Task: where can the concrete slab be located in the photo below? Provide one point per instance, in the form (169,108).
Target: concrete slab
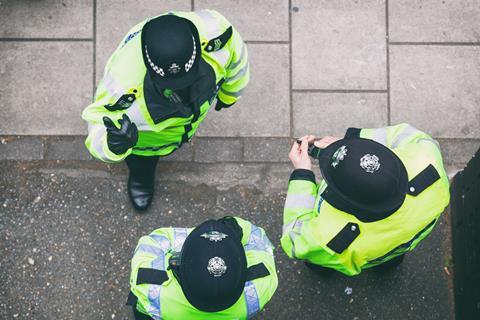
(45,87)
(46,19)
(266,149)
(458,151)
(254,20)
(263,109)
(21,148)
(218,150)
(55,220)
(115,18)
(436,89)
(323,114)
(338,44)
(434,20)
(67,148)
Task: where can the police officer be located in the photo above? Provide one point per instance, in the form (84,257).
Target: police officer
(158,86)
(383,192)
(222,269)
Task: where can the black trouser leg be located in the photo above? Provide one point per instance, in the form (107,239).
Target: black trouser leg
(141,180)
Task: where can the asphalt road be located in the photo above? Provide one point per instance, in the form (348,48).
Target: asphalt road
(67,233)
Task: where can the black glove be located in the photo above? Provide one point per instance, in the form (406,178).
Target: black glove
(120,140)
(221,105)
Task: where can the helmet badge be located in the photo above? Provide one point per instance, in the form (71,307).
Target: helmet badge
(216,266)
(339,155)
(174,68)
(214,236)
(370,163)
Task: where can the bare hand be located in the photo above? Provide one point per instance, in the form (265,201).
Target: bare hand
(299,154)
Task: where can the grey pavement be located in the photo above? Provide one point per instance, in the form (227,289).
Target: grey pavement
(317,66)
(68,234)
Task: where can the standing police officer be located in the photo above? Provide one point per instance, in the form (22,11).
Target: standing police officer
(158,86)
(222,269)
(383,191)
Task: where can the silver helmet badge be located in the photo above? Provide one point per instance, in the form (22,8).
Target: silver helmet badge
(214,236)
(216,266)
(370,163)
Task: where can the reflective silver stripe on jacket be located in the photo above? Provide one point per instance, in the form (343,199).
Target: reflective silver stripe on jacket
(380,135)
(258,241)
(235,64)
(407,132)
(97,131)
(251,299)
(154,308)
(179,236)
(236,94)
(213,30)
(239,74)
(306,201)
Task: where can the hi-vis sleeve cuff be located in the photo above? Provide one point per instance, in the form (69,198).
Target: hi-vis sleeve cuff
(303,174)
(97,145)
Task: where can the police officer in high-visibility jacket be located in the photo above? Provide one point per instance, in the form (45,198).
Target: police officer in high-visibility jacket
(383,192)
(158,86)
(222,269)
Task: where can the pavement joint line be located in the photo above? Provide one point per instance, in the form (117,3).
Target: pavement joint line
(387,62)
(290,68)
(94,28)
(46,39)
(411,43)
(192,5)
(266,42)
(339,91)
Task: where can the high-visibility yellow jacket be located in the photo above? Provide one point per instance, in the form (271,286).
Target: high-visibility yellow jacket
(310,222)
(167,301)
(125,72)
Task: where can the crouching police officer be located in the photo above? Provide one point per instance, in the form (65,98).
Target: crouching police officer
(222,269)
(383,191)
(158,86)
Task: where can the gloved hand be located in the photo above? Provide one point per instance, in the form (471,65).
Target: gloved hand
(221,105)
(120,140)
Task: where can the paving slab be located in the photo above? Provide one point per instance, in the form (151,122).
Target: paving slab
(21,148)
(44,87)
(67,148)
(434,20)
(254,20)
(266,149)
(324,114)
(437,89)
(264,108)
(68,234)
(46,19)
(218,150)
(115,18)
(338,44)
(458,151)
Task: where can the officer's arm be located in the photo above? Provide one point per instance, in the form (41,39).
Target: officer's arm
(259,249)
(299,207)
(96,141)
(149,253)
(237,70)
(394,136)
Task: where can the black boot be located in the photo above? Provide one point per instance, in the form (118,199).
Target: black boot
(141,180)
